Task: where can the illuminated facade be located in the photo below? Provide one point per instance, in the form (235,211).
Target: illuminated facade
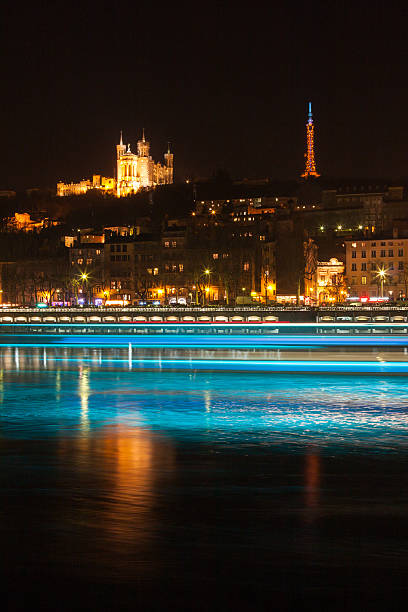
(327,283)
(137,170)
(310,169)
(103,183)
(133,171)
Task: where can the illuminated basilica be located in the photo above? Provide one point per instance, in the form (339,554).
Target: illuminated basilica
(133,171)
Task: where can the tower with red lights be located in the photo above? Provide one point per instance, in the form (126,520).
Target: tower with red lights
(310,169)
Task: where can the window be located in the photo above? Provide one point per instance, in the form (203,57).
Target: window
(174,267)
(118,248)
(354,254)
(363,280)
(88,261)
(363,254)
(167,244)
(400,265)
(173,244)
(382,254)
(80,261)
(391,265)
(383,244)
(364,267)
(390,253)
(149,271)
(373,266)
(261,237)
(246,266)
(374,254)
(353,280)
(181,267)
(98,251)
(400,253)
(373,244)
(215,255)
(112,248)
(155,271)
(353,267)
(124,248)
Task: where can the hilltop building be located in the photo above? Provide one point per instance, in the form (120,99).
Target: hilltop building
(136,170)
(133,171)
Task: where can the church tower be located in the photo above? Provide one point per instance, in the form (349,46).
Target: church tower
(143,147)
(169,159)
(310,169)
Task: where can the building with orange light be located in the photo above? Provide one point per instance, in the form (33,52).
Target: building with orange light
(137,170)
(133,172)
(327,284)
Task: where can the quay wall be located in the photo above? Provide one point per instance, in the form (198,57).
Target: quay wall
(203,315)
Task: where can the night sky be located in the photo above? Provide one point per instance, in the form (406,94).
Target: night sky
(227,86)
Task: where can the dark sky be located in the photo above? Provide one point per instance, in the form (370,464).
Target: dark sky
(227,86)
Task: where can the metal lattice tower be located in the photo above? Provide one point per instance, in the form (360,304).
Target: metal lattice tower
(310,169)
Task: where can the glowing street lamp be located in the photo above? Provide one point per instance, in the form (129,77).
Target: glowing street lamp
(381,274)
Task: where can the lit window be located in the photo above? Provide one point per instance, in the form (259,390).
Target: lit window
(215,255)
(181,267)
(155,271)
(167,244)
(363,280)
(173,244)
(246,266)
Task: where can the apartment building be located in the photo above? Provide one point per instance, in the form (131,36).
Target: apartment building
(377,268)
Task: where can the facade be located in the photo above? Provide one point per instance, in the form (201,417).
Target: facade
(133,172)
(99,182)
(327,283)
(377,268)
(137,170)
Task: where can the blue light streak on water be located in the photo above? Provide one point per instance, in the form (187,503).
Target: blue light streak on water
(59,397)
(205,341)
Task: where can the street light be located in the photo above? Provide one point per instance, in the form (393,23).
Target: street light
(207,272)
(381,274)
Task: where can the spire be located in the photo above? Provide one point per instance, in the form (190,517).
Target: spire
(121,138)
(168,147)
(143,136)
(310,113)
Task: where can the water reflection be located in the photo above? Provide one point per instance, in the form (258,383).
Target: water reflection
(312,485)
(152,480)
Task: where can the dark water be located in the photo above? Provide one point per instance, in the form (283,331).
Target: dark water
(130,489)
